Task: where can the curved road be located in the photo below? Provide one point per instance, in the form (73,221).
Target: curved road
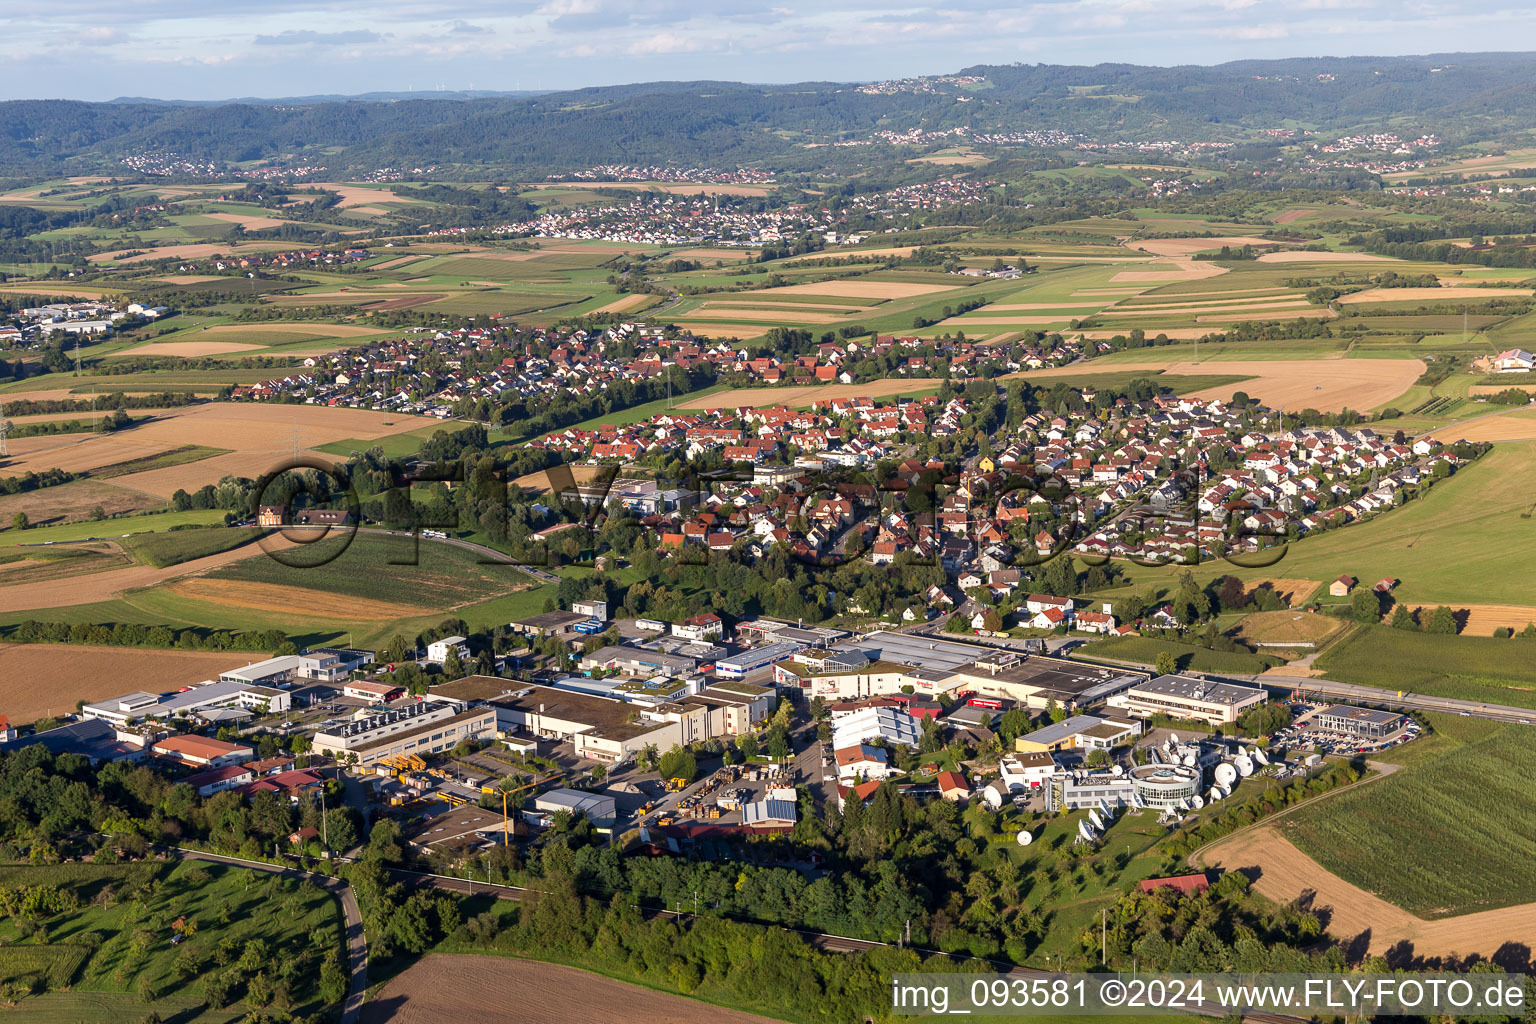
(357,942)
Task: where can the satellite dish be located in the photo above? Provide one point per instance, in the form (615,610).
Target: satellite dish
(1258,755)
(1225,774)
(1025,838)
(1094,820)
(1214,794)
(1244,765)
(1183,805)
(1196,801)
(1189,760)
(1117,771)
(1173,739)
(1084,832)
(1226,791)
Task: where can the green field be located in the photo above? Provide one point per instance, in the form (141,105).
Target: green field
(1472,667)
(177,546)
(1451,834)
(111,528)
(117,944)
(1190,657)
(374,567)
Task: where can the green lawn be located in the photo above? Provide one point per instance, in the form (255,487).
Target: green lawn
(1453,833)
(119,939)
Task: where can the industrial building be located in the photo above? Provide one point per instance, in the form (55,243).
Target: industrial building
(599,728)
(738,665)
(1026,771)
(1366,723)
(204,700)
(601,810)
(1088,732)
(419,728)
(1166,786)
(1077,790)
(1188,697)
(1037,680)
(892,726)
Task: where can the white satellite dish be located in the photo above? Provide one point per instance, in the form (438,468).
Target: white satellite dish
(1244,765)
(1225,774)
(1025,838)
(1196,801)
(1258,755)
(1084,832)
(1173,739)
(1189,760)
(1214,794)
(1117,771)
(1226,791)
(1094,820)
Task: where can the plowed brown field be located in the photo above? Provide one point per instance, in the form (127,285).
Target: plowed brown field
(441,988)
(47,679)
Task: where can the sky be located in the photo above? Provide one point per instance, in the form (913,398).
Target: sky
(194,49)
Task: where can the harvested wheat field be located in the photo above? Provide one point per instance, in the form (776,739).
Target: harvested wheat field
(1291,216)
(1430,295)
(397,262)
(1026,318)
(59,291)
(189,348)
(295,327)
(1285,306)
(890,250)
(703,329)
(104,586)
(359,195)
(1483,619)
(1170,271)
(625,304)
(801,396)
(1302,256)
(189,250)
(441,987)
(275,597)
(538,482)
(802,316)
(1327,385)
(48,679)
(864,289)
(1504,426)
(257,437)
(1291,591)
(190,278)
(1176,333)
(1285,874)
(1474,390)
(1190,246)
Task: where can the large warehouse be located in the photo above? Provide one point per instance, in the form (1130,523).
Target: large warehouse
(1188,697)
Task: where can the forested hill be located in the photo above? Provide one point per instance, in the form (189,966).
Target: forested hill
(1461,97)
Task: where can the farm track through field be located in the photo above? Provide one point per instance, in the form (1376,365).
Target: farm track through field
(113,583)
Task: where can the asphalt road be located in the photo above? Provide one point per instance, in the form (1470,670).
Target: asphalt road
(357,942)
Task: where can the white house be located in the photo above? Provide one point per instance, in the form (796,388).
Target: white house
(437,650)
